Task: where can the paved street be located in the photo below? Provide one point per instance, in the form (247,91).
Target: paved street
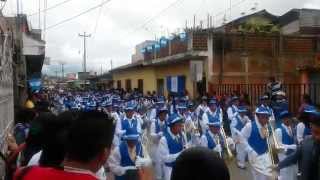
(238,174)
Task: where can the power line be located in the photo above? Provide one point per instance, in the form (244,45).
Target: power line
(97,21)
(155,16)
(52,7)
(80,14)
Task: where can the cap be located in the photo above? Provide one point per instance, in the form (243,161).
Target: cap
(262,110)
(174,118)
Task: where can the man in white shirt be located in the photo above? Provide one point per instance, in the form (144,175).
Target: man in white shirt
(126,159)
(157,131)
(238,123)
(285,138)
(202,108)
(171,144)
(255,135)
(212,138)
(232,109)
(128,122)
(214,111)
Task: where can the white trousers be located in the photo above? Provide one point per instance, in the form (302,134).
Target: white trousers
(258,176)
(167,172)
(241,153)
(156,159)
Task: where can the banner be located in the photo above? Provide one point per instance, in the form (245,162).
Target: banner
(196,70)
(176,84)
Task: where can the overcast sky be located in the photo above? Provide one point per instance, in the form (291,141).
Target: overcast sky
(119,25)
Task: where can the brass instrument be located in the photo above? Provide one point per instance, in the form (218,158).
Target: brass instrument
(217,139)
(273,148)
(229,152)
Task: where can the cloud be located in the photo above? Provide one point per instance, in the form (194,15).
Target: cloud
(121,24)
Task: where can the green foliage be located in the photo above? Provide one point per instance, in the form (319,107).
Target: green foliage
(258,25)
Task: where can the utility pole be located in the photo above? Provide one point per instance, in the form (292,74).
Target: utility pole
(62,71)
(39,14)
(84,36)
(111,65)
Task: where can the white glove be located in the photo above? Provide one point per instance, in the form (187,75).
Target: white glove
(218,148)
(139,162)
(230,143)
(123,170)
(175,156)
(142,162)
(160,134)
(252,155)
(122,132)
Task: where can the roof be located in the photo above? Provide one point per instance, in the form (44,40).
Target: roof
(128,66)
(177,58)
(243,19)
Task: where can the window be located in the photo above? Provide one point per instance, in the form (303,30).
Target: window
(119,84)
(140,85)
(128,85)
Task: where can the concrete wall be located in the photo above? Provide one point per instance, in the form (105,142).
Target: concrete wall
(151,74)
(146,73)
(176,70)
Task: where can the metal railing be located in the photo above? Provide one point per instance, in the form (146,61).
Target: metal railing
(294,92)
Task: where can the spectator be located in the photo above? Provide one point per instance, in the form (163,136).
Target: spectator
(22,124)
(306,100)
(199,164)
(87,149)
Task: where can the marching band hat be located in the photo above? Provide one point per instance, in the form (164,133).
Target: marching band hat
(174,118)
(163,109)
(242,109)
(262,111)
(285,114)
(309,109)
(234,98)
(264,97)
(212,102)
(130,106)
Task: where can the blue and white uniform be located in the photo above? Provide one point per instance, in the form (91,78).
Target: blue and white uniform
(124,157)
(210,139)
(157,131)
(237,124)
(171,145)
(255,138)
(206,116)
(285,137)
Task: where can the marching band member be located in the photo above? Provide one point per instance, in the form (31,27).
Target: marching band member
(264,102)
(255,136)
(212,138)
(158,129)
(303,127)
(279,104)
(129,122)
(126,159)
(237,124)
(232,110)
(212,111)
(307,153)
(202,108)
(171,144)
(285,138)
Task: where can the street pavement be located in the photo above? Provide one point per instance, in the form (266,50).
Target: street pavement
(239,174)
